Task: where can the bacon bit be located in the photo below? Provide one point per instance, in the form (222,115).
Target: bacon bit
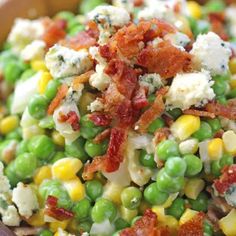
(70,118)
(53,211)
(102,136)
(199,113)
(140,99)
(227,178)
(193,227)
(106,52)
(100,119)
(168,120)
(166,60)
(82,79)
(61,94)
(153,112)
(232,102)
(222,110)
(92,30)
(138,3)
(219,134)
(161,134)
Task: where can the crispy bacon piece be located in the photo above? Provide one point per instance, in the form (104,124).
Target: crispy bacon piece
(100,119)
(61,94)
(138,3)
(56,212)
(102,136)
(199,113)
(168,120)
(161,134)
(193,227)
(146,226)
(140,99)
(222,110)
(93,30)
(227,178)
(219,133)
(166,59)
(153,112)
(106,52)
(82,79)
(70,118)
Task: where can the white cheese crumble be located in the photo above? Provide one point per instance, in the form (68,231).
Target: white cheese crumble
(25,199)
(211,53)
(94,52)
(230,13)
(230,195)
(190,89)
(96,105)
(178,39)
(126,4)
(64,62)
(4,182)
(10,216)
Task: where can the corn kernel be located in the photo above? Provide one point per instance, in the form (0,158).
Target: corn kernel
(232,65)
(194,9)
(75,189)
(29,132)
(227,223)
(58,139)
(187,215)
(36,219)
(185,126)
(193,187)
(169,200)
(38,65)
(43,82)
(54,226)
(232,82)
(43,173)
(171,222)
(128,214)
(66,168)
(8,124)
(160,212)
(215,149)
(229,139)
(189,146)
(112,192)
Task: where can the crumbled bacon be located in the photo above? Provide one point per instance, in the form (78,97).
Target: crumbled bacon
(70,118)
(140,99)
(100,119)
(161,134)
(193,227)
(138,3)
(82,79)
(168,120)
(92,30)
(102,136)
(199,113)
(166,59)
(106,52)
(227,178)
(219,133)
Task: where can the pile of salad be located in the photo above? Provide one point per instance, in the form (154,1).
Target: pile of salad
(120,121)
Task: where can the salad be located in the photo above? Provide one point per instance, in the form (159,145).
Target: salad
(120,121)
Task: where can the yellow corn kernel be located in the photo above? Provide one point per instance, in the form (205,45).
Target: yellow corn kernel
(193,187)
(185,126)
(29,132)
(8,124)
(187,215)
(215,149)
(66,168)
(43,82)
(229,139)
(189,146)
(43,173)
(171,222)
(38,65)
(194,9)
(75,189)
(227,223)
(36,219)
(58,139)
(128,214)
(160,212)
(54,226)
(232,82)
(232,65)
(169,200)
(112,192)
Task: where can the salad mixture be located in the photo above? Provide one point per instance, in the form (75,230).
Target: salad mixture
(120,121)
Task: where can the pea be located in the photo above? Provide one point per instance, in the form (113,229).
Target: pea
(57,156)
(7,56)
(12,71)
(226,160)
(175,113)
(45,232)
(94,189)
(76,29)
(42,147)
(88,5)
(205,132)
(147,160)
(37,106)
(82,209)
(175,166)
(25,165)
(220,87)
(120,223)
(102,210)
(215,124)
(194,165)
(22,147)
(225,77)
(168,184)
(166,149)
(151,98)
(156,124)
(221,99)
(47,123)
(15,135)
(76,149)
(177,208)
(215,168)
(131,197)
(84,226)
(154,196)
(232,94)
(27,74)
(94,149)
(11,174)
(51,89)
(201,203)
(207,228)
(65,15)
(215,6)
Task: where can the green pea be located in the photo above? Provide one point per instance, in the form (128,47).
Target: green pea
(12,71)
(76,29)
(156,124)
(177,208)
(215,6)
(201,203)
(76,149)
(47,123)
(221,99)
(57,156)
(84,226)
(25,165)
(45,232)
(82,209)
(175,113)
(220,87)
(120,223)
(175,166)
(168,184)
(207,228)
(232,94)
(226,160)
(11,174)
(27,74)
(42,147)
(225,77)
(94,149)
(88,5)
(102,210)
(65,15)
(51,89)
(194,165)
(37,106)
(193,23)
(154,196)
(215,124)
(94,189)
(216,168)
(151,98)
(15,135)
(204,132)
(9,102)
(166,149)
(5,57)
(147,160)
(22,147)
(131,197)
